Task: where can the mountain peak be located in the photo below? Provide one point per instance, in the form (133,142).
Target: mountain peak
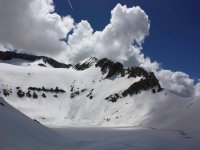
(86,63)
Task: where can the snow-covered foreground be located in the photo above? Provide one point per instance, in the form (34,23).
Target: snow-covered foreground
(130,138)
(18,132)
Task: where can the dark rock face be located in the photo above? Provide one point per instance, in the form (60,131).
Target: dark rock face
(34,92)
(83,90)
(51,90)
(35,96)
(8,55)
(28,94)
(86,65)
(134,72)
(6,92)
(113,98)
(43,95)
(148,83)
(36,121)
(82,66)
(57,90)
(90,95)
(74,94)
(42,65)
(112,68)
(20,93)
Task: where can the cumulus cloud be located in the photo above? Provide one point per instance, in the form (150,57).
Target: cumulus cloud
(197,89)
(33,26)
(177,82)
(120,40)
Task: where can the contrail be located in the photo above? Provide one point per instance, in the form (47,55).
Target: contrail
(70,4)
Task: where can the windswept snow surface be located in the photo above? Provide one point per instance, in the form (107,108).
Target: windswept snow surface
(18,132)
(163,110)
(130,138)
(63,110)
(143,122)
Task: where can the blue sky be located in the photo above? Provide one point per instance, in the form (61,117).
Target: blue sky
(174,39)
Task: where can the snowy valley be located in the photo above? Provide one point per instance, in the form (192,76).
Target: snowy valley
(93,96)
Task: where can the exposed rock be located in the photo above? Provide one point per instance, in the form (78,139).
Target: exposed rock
(83,90)
(72,88)
(56,90)
(36,121)
(86,64)
(143,85)
(20,93)
(149,82)
(8,55)
(73,94)
(108,119)
(28,94)
(42,65)
(112,68)
(136,72)
(35,96)
(43,95)
(90,95)
(6,92)
(112,98)
(81,66)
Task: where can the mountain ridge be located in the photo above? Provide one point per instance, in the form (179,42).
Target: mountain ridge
(108,67)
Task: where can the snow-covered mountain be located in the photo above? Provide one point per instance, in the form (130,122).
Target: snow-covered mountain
(92,92)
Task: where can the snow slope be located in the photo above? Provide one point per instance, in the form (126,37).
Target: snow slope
(87,95)
(84,100)
(18,132)
(63,110)
(130,138)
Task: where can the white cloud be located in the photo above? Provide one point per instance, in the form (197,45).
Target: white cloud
(197,89)
(177,82)
(120,40)
(33,26)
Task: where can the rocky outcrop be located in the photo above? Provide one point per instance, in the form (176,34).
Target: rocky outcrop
(112,68)
(109,69)
(147,83)
(86,63)
(8,55)
(20,93)
(51,90)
